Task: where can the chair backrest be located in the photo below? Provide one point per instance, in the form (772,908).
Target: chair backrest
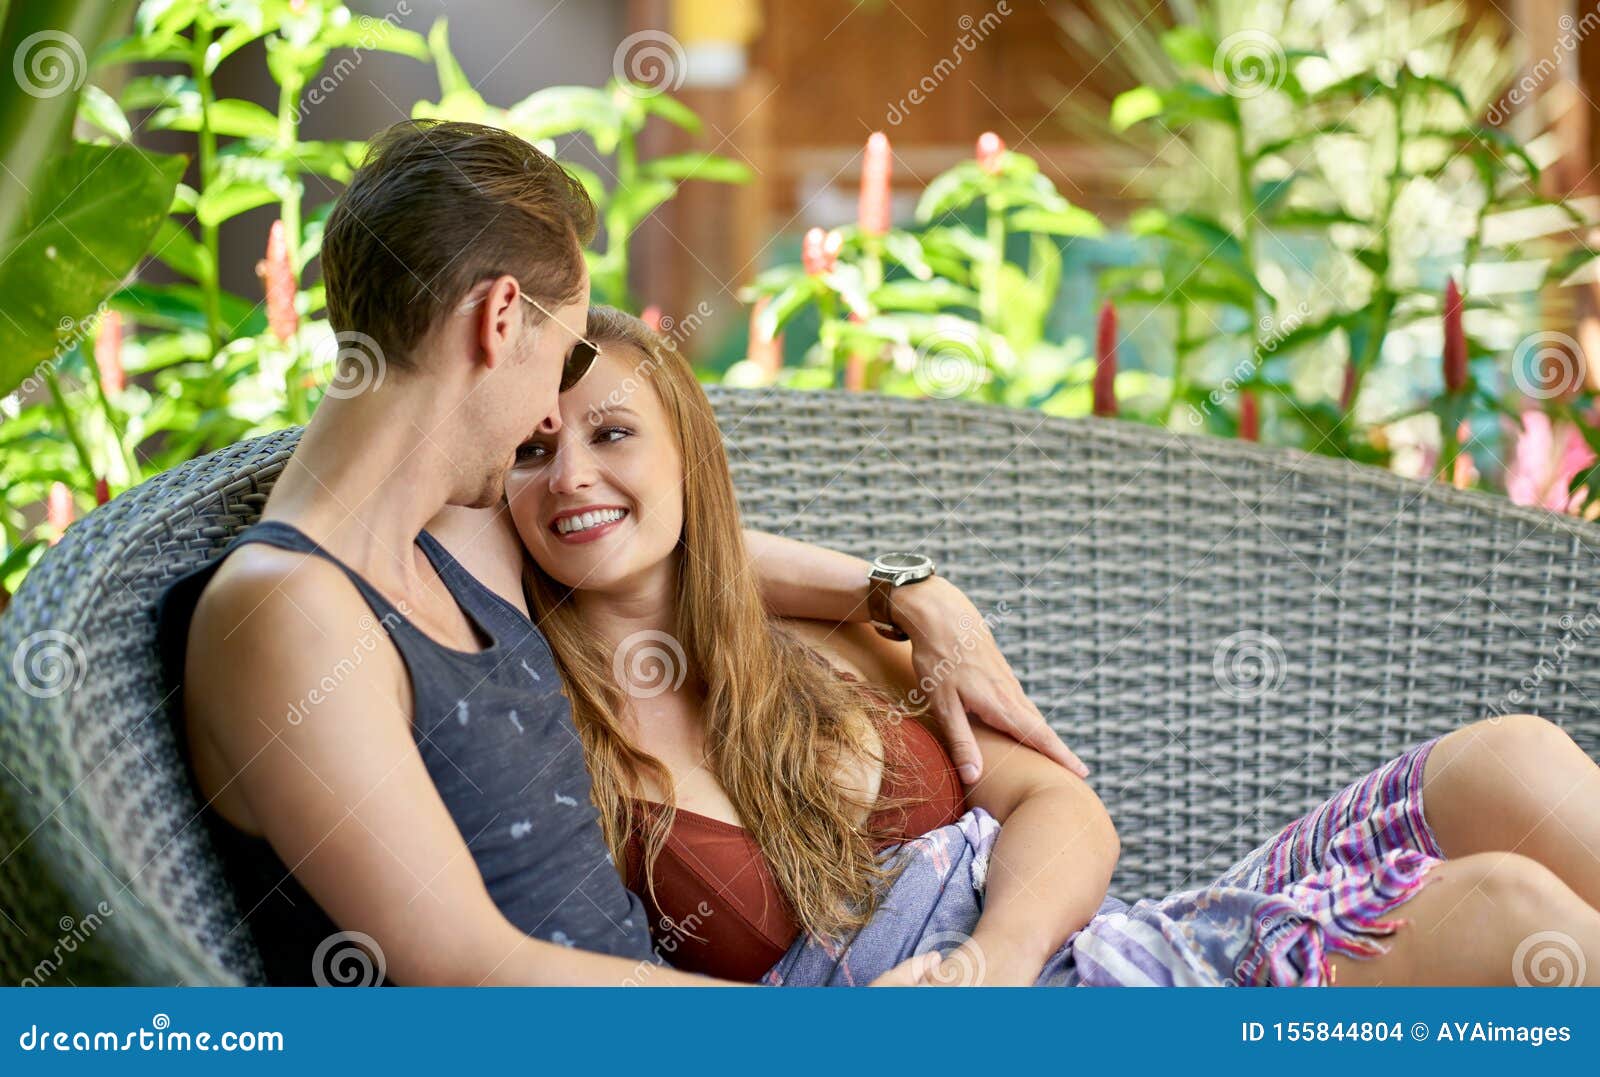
(1227,633)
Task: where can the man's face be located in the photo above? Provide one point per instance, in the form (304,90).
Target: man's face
(521,397)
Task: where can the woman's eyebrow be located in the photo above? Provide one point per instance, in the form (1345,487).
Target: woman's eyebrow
(614,409)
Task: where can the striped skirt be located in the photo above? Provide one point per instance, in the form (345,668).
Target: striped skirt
(1325,883)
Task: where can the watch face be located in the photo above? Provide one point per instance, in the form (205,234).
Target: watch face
(899,561)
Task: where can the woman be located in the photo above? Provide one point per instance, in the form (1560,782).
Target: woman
(749,782)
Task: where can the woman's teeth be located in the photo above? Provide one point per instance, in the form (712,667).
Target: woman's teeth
(568,524)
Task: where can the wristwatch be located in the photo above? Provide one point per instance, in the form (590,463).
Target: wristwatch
(888,572)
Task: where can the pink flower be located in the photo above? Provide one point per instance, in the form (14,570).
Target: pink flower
(819,251)
(277,279)
(991,152)
(1105,363)
(876,168)
(1455,340)
(767,354)
(60,510)
(1249,416)
(651,316)
(108,353)
(1464,473)
(1546,458)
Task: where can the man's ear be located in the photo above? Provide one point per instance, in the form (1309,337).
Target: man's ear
(501,320)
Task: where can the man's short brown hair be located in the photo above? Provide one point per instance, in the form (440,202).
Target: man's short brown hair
(438,206)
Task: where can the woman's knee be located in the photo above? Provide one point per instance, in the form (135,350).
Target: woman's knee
(1514,890)
(1510,746)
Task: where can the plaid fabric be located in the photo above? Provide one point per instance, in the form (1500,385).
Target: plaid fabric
(1333,873)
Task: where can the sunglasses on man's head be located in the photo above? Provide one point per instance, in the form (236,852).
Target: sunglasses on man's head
(579,359)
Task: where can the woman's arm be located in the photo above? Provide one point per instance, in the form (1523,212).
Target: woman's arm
(953,653)
(1052,863)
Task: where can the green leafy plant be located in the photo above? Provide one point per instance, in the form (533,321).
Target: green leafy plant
(613,118)
(122,378)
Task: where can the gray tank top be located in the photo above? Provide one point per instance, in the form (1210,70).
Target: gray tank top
(499,742)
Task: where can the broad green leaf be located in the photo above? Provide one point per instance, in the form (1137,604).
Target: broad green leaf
(1189,46)
(451,78)
(697,166)
(182,306)
(229,116)
(785,305)
(1072,221)
(159,91)
(177,249)
(139,48)
(1135,106)
(903,248)
(952,189)
(86,226)
(222,201)
(367,33)
(930,297)
(672,110)
(565,110)
(97,107)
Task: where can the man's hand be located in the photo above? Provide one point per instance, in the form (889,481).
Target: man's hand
(960,671)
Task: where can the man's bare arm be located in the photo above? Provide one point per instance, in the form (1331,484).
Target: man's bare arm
(341,791)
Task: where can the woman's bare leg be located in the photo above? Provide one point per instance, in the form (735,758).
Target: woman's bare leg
(1485,919)
(1518,784)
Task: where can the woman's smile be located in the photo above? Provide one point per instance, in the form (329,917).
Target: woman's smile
(588,523)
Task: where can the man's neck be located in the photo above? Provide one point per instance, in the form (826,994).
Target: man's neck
(368,474)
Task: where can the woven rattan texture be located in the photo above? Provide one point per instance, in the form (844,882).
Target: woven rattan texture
(1226,633)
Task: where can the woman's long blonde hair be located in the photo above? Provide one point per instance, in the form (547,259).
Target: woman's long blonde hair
(779,725)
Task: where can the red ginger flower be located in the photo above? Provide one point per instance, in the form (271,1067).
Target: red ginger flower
(277,278)
(1455,340)
(102,491)
(1249,416)
(1105,363)
(991,152)
(108,353)
(876,168)
(819,251)
(60,510)
(651,316)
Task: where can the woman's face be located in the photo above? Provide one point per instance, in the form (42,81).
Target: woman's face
(599,503)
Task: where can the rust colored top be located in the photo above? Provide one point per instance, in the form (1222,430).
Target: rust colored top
(718,910)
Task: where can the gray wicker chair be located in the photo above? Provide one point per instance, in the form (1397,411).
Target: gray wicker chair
(1227,633)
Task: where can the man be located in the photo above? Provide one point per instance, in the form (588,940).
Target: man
(417,780)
